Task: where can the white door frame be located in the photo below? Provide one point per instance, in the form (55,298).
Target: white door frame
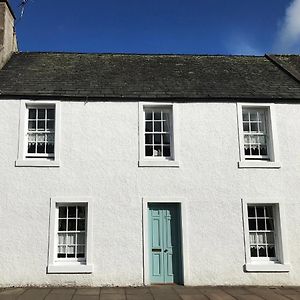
(184,236)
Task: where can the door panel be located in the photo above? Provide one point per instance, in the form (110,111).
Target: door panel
(165,242)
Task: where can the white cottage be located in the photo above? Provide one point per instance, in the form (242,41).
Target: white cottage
(141,169)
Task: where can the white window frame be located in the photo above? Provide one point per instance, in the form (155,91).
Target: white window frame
(272,143)
(161,161)
(24,161)
(59,265)
(254,264)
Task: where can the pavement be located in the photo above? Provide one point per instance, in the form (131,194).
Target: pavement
(172,292)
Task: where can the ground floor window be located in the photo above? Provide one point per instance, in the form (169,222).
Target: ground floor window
(70,235)
(265,245)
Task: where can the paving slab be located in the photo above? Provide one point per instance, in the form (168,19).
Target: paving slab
(215,293)
(11,293)
(63,291)
(88,291)
(85,297)
(139,297)
(293,297)
(34,294)
(113,290)
(137,291)
(111,296)
(266,293)
(193,297)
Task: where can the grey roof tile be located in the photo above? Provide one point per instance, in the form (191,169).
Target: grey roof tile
(124,76)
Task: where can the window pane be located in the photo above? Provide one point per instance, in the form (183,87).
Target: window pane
(157,116)
(32,113)
(62,212)
(41,113)
(247,150)
(50,148)
(149,151)
(51,113)
(61,252)
(166,151)
(71,238)
(157,151)
(252,224)
(41,125)
(253,251)
(157,139)
(260,211)
(262,251)
(148,115)
(40,137)
(166,126)
(270,225)
(245,116)
(251,211)
(253,116)
(71,251)
(261,238)
(62,239)
(166,139)
(149,127)
(271,251)
(72,224)
(148,138)
(62,225)
(41,148)
(261,224)
(246,127)
(263,150)
(50,125)
(81,238)
(270,237)
(269,211)
(81,211)
(81,224)
(31,147)
(80,251)
(254,150)
(157,126)
(252,238)
(31,125)
(254,127)
(72,211)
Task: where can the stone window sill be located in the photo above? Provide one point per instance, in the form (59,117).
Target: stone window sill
(69,269)
(271,267)
(37,163)
(259,164)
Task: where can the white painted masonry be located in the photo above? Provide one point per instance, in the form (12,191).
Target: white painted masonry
(99,154)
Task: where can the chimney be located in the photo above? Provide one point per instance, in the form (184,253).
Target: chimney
(8,40)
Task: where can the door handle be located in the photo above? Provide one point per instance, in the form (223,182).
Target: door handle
(166,250)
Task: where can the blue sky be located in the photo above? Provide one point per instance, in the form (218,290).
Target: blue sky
(178,26)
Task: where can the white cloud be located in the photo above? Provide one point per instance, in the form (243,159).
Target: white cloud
(238,45)
(288,39)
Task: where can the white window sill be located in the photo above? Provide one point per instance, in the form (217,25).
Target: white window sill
(259,164)
(61,269)
(159,163)
(37,163)
(265,267)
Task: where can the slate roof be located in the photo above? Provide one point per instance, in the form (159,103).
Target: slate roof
(128,76)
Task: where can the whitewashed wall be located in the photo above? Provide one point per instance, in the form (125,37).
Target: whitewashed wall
(99,158)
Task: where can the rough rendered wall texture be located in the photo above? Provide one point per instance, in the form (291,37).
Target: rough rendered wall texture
(99,158)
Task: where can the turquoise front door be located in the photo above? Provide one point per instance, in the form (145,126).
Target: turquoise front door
(165,243)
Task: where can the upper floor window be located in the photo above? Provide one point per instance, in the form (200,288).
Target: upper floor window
(158,132)
(39,134)
(157,135)
(257,135)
